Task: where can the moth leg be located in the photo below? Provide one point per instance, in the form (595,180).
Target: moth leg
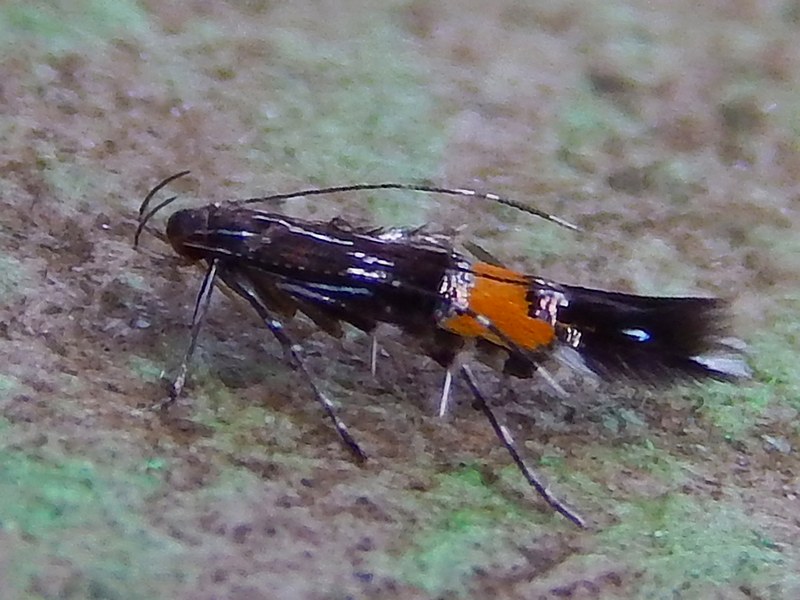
(444,400)
(241,285)
(200,309)
(502,431)
(373,353)
(508,441)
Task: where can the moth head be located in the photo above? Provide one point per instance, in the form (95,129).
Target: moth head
(184,225)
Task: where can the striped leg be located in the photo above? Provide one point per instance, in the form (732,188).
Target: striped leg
(200,309)
(508,441)
(502,431)
(241,285)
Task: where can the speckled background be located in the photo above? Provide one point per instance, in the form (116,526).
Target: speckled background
(670,131)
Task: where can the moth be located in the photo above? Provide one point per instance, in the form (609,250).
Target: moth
(336,273)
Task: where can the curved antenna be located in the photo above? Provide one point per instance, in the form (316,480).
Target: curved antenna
(145,216)
(359,187)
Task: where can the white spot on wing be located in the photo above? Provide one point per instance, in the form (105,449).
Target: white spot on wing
(302,230)
(638,335)
(238,233)
(374,275)
(733,366)
(374,260)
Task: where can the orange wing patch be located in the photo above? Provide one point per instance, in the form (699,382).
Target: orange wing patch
(500,295)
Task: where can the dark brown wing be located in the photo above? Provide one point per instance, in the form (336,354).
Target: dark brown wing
(271,291)
(645,337)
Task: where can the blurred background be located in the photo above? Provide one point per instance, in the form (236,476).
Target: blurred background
(669,131)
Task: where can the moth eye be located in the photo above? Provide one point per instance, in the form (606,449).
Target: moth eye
(184,223)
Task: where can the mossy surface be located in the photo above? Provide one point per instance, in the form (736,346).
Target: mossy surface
(669,133)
